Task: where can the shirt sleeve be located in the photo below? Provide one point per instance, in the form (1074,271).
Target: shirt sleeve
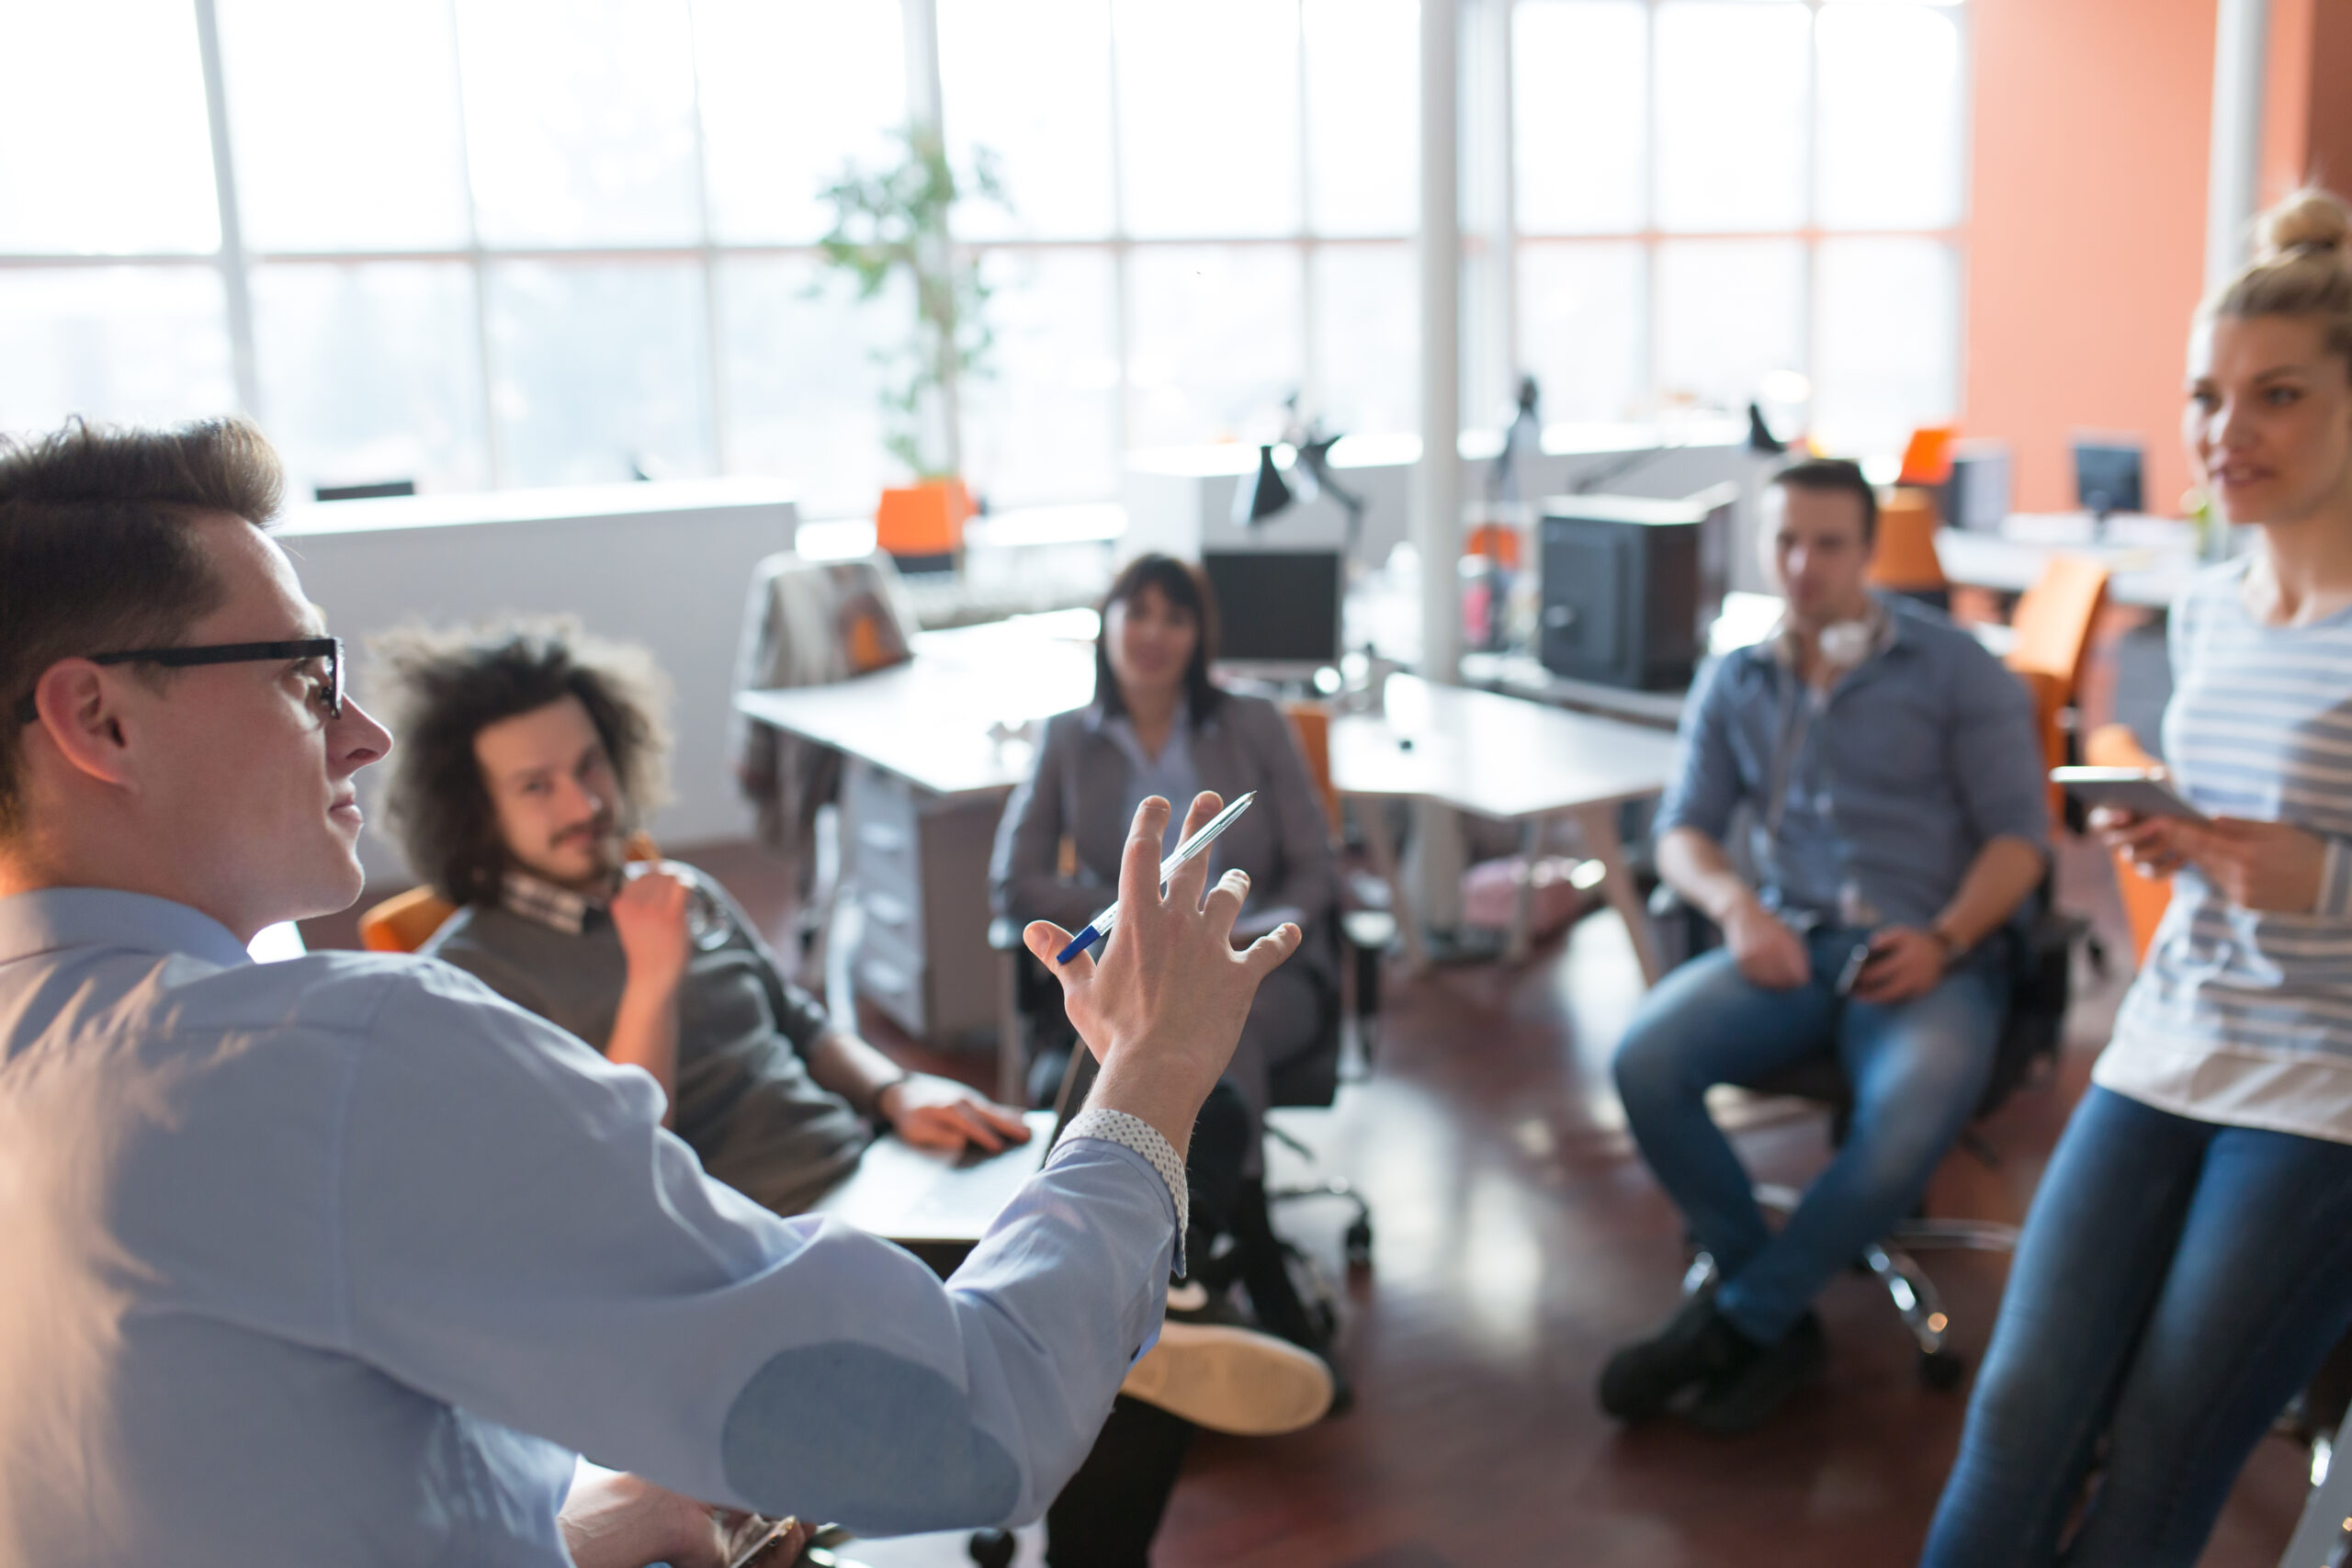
(523,1240)
(1705,788)
(1994,751)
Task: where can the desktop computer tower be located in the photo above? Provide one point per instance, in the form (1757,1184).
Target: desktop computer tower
(1628,587)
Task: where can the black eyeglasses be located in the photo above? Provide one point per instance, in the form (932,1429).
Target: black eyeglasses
(329,683)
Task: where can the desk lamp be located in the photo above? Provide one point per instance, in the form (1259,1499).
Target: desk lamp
(1259,500)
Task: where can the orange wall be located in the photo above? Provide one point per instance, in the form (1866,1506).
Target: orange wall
(2087,230)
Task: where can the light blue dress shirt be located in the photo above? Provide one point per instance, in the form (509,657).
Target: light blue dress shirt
(1918,758)
(340,1260)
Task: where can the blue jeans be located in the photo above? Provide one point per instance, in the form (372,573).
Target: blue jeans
(1917,1067)
(2177,1282)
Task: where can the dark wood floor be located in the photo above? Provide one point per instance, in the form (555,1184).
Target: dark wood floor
(1519,1241)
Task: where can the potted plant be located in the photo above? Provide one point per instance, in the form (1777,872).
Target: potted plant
(890,224)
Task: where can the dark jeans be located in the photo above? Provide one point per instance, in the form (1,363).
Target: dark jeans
(2177,1282)
(1917,1068)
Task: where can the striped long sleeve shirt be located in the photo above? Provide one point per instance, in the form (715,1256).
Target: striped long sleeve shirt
(2244,1016)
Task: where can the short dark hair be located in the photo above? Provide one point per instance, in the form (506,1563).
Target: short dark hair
(96,551)
(1835,476)
(1186,588)
(440,689)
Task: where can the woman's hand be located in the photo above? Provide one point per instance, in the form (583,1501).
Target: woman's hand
(2254,865)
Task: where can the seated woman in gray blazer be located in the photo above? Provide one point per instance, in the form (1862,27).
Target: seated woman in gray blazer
(1158,726)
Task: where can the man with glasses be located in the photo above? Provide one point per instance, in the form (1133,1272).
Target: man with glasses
(343,1259)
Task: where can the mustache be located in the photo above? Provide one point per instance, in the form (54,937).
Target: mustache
(600,826)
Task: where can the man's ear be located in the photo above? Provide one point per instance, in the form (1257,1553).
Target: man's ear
(80,717)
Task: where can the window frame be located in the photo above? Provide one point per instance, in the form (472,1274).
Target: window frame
(1492,243)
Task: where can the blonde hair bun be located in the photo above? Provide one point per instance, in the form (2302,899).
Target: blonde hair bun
(2309,221)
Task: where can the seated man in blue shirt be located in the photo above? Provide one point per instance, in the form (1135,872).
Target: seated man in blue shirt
(344,1260)
(1892,781)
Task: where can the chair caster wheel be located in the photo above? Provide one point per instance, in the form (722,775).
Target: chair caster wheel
(1941,1369)
(1359,1245)
(992,1549)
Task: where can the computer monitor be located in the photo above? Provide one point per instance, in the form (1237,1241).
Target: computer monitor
(2107,475)
(1975,493)
(1276,606)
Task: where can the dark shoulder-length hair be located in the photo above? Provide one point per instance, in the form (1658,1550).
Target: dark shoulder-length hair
(440,689)
(1185,587)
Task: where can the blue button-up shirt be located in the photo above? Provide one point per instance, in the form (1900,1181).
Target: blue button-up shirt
(1916,759)
(341,1259)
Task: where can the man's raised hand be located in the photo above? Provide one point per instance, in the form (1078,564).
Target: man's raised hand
(1164,1006)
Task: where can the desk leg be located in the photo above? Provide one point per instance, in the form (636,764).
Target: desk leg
(1372,814)
(1598,825)
(1522,899)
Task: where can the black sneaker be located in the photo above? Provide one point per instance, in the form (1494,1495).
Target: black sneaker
(1694,1346)
(1743,1397)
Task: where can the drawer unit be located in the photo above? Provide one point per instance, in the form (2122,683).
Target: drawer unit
(918,865)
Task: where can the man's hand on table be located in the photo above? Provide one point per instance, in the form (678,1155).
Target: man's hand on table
(613,1520)
(939,1113)
(1164,1008)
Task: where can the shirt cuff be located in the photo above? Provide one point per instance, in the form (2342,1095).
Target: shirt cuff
(1134,1133)
(2334,879)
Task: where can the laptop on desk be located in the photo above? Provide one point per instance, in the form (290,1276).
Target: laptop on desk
(923,1200)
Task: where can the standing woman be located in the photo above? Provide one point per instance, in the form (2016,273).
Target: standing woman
(1160,726)
(2187,1262)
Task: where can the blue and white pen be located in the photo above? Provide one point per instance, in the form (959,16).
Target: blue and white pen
(1099,926)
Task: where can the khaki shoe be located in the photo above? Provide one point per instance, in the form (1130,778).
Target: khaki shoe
(1231,1380)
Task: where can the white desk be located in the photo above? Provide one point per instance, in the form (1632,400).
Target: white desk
(933,747)
(2149,559)
(940,725)
(943,720)
(1511,760)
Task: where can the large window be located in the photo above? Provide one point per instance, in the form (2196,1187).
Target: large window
(1719,200)
(482,242)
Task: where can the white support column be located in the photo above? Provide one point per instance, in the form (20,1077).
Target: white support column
(236,286)
(1436,519)
(941,413)
(2241,64)
(1489,291)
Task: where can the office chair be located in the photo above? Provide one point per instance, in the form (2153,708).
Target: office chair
(2031,1033)
(1031,1006)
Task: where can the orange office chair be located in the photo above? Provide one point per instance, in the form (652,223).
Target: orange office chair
(2052,621)
(1311,722)
(1926,457)
(403,922)
(1904,561)
(2146,898)
(406,921)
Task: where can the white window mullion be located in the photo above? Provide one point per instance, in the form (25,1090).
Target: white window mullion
(235,282)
